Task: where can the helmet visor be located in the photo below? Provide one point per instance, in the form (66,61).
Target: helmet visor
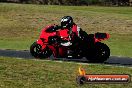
(64,24)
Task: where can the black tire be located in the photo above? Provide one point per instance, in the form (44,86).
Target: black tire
(101,53)
(35,50)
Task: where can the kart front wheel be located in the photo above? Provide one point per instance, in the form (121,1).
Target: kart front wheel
(35,50)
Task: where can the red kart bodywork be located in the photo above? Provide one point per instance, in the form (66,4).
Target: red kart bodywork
(43,40)
(107,36)
(61,51)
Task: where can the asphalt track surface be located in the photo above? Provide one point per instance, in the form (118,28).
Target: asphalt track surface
(25,54)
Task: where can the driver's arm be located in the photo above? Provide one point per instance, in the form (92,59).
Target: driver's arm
(57,27)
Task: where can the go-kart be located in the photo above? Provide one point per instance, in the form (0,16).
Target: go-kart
(55,41)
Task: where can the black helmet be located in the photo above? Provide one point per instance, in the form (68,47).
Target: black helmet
(66,22)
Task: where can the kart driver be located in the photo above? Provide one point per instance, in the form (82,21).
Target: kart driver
(67,23)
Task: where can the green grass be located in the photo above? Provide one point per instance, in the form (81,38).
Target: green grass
(20,24)
(120,45)
(20,73)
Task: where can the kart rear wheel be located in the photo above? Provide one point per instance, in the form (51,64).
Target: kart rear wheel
(102,53)
(35,50)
